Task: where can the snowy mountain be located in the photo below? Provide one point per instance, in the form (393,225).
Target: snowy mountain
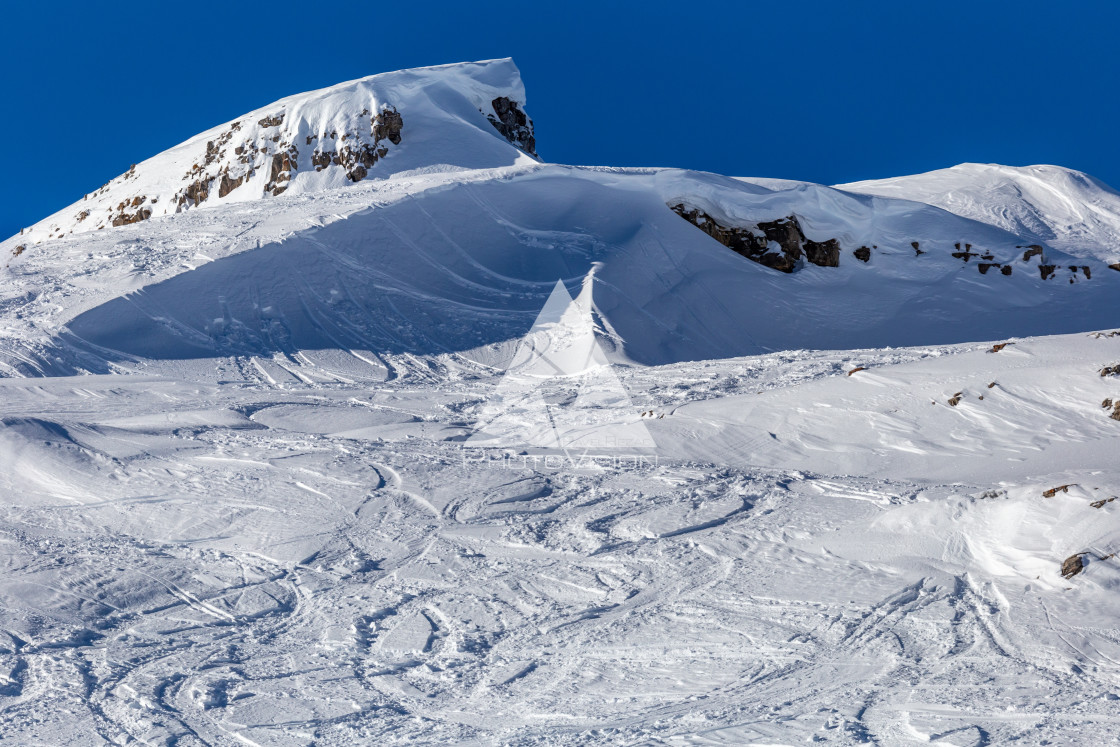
(351,421)
(403,214)
(1061,207)
(320,140)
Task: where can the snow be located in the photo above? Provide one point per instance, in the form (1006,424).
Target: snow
(1067,209)
(252,493)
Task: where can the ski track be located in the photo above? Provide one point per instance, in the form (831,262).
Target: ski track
(203,572)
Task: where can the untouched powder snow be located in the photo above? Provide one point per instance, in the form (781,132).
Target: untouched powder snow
(1064,208)
(471,448)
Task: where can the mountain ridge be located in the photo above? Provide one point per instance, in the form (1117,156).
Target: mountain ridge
(1068,209)
(454,237)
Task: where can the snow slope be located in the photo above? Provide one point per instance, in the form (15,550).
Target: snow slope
(314,141)
(247,558)
(461,262)
(452,238)
(262,479)
(1066,209)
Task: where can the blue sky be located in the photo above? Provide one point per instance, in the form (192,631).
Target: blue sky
(827,92)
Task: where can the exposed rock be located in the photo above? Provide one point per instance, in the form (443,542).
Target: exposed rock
(272,121)
(786,233)
(19,250)
(283,164)
(985,266)
(857,368)
(195,193)
(1111,370)
(741,240)
(998,347)
(955,399)
(82,216)
(1115,266)
(1033,250)
(322,159)
(1107,403)
(966,254)
(124,219)
(863,254)
(1006,269)
(917,252)
(1054,491)
(514,125)
(1047,271)
(227,185)
(1102,502)
(387,126)
(1072,566)
(821,253)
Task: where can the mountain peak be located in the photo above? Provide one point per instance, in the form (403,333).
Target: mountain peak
(465,115)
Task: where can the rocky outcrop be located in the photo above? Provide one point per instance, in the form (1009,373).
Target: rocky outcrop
(1033,250)
(1072,566)
(967,253)
(124,217)
(784,233)
(1047,271)
(863,254)
(822,253)
(1111,370)
(513,123)
(360,155)
(1115,267)
(387,126)
(223,169)
(283,166)
(227,185)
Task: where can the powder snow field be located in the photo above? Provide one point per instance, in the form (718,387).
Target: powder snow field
(244,500)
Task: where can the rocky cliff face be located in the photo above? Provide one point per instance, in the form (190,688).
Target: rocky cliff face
(513,123)
(779,244)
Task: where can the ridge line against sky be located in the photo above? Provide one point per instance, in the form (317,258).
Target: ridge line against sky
(821,92)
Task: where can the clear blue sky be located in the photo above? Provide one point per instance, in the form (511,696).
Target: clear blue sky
(827,92)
